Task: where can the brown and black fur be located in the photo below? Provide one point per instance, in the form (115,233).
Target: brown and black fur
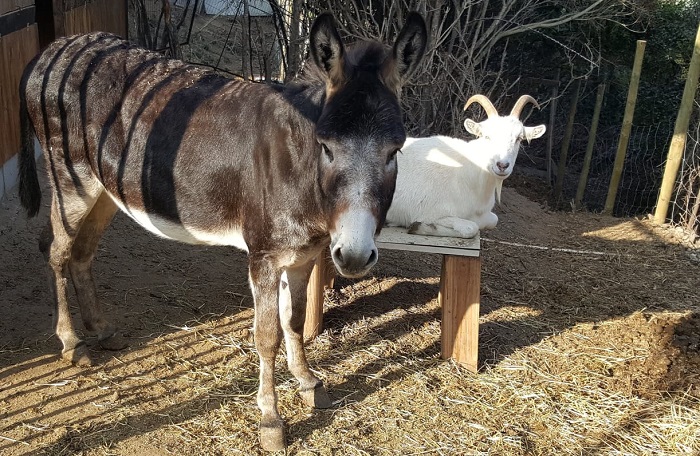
(213,160)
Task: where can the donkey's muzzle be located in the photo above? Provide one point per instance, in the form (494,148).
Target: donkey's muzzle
(352,243)
(352,263)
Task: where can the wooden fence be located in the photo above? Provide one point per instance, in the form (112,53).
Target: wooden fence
(25,27)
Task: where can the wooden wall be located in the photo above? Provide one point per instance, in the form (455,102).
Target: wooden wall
(17,48)
(19,43)
(102,15)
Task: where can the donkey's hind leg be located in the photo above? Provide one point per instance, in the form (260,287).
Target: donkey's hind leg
(69,207)
(82,254)
(292,297)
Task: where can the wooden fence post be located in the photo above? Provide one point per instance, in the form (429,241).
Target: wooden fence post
(566,142)
(550,127)
(583,179)
(680,132)
(626,128)
(322,277)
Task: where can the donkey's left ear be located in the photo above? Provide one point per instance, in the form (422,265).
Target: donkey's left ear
(410,46)
(327,48)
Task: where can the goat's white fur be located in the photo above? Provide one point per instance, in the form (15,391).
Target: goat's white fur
(447,186)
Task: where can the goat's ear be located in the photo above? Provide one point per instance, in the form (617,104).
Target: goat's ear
(473,127)
(408,51)
(534,132)
(327,49)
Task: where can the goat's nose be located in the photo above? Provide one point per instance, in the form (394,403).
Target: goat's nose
(503,165)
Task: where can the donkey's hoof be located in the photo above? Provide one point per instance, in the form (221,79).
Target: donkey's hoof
(113,342)
(272,436)
(78,356)
(316,397)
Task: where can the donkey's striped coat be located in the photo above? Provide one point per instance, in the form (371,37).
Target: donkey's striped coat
(281,172)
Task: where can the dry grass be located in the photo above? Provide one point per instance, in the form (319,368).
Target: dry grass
(581,354)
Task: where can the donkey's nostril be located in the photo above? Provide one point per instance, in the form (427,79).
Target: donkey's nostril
(337,255)
(372,258)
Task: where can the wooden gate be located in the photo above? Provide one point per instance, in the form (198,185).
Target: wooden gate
(26,26)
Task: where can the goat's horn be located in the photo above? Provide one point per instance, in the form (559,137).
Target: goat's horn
(520,104)
(484,102)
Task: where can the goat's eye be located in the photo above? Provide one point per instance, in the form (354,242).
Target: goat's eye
(327,151)
(392,156)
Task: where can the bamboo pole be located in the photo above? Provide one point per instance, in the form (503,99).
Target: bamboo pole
(583,179)
(566,142)
(680,132)
(626,128)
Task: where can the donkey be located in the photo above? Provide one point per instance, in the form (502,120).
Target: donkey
(282,172)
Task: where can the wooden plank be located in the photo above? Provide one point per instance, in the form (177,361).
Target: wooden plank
(6,6)
(17,20)
(59,22)
(16,50)
(24,3)
(100,15)
(460,284)
(322,276)
(395,238)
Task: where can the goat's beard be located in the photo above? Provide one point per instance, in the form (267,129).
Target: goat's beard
(499,185)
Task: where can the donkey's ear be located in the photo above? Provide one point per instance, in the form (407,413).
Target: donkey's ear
(327,48)
(410,46)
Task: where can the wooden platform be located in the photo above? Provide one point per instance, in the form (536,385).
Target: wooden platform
(459,292)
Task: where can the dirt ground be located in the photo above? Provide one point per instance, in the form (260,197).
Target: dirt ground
(589,338)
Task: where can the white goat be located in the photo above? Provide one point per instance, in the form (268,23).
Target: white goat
(447,186)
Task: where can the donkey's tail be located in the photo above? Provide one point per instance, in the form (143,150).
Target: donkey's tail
(29,190)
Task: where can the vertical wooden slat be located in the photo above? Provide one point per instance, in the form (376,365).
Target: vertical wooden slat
(16,50)
(460,284)
(6,6)
(101,15)
(322,276)
(59,21)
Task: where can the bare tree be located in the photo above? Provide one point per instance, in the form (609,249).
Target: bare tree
(471,44)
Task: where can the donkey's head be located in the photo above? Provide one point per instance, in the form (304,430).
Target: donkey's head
(359,131)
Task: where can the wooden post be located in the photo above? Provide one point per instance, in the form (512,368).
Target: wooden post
(460,284)
(322,276)
(680,132)
(566,142)
(589,148)
(626,128)
(59,19)
(552,119)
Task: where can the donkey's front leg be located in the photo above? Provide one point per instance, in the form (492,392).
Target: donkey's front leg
(264,282)
(292,298)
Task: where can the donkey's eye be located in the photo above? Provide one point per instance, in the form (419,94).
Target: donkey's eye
(392,156)
(327,151)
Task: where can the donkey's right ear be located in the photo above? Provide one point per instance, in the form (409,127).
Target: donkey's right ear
(327,49)
(410,46)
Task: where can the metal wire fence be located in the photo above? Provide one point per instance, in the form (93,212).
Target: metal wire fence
(685,204)
(642,173)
